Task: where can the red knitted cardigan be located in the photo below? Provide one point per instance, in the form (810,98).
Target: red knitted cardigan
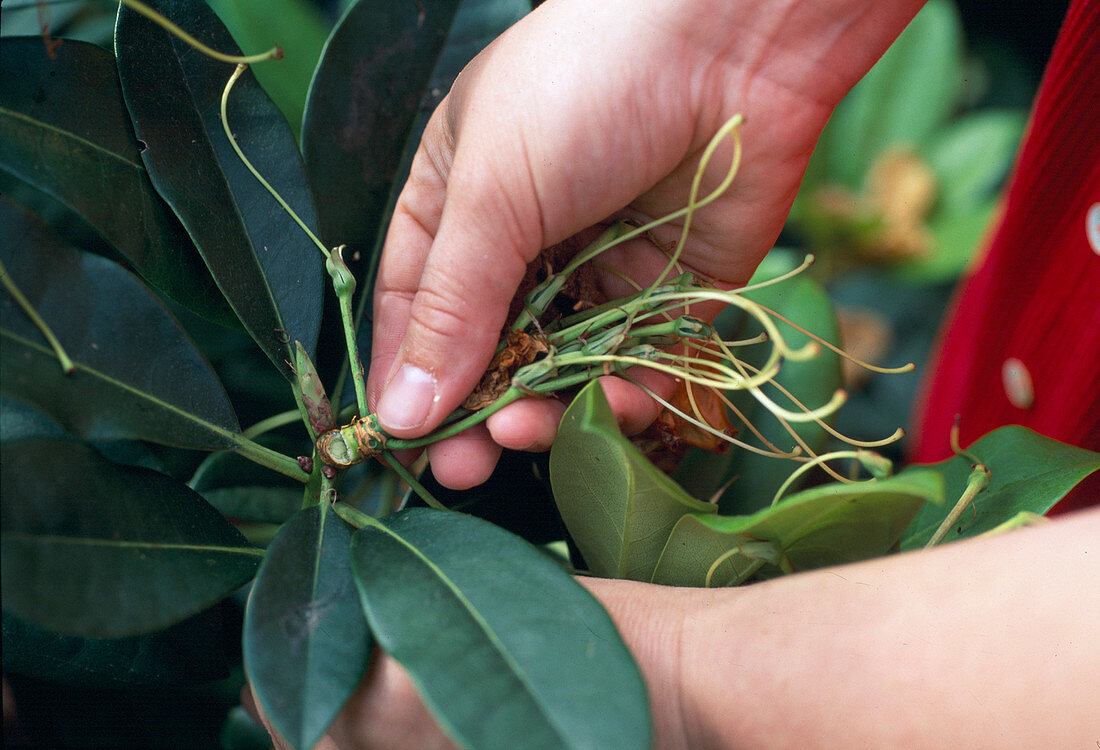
(1021,344)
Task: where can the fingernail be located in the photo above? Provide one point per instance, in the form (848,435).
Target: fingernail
(408,398)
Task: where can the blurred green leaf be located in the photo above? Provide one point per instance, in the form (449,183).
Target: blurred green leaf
(1029,472)
(64,130)
(902,99)
(507,650)
(956,237)
(972,157)
(142,381)
(828,525)
(97,550)
(25,20)
(298,27)
(618,507)
(264,264)
(756,477)
(306,643)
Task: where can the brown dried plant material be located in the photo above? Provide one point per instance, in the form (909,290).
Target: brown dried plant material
(667,440)
(520,349)
(581,289)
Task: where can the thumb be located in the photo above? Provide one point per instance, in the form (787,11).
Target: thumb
(444,289)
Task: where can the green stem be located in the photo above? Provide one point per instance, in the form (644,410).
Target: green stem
(975,483)
(273,460)
(539,299)
(355,364)
(477,417)
(67,365)
(353,516)
(272,423)
(248,165)
(417,487)
(275,53)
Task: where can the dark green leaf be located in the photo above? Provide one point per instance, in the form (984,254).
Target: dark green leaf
(298,27)
(1029,472)
(383,71)
(828,525)
(367,89)
(103,551)
(241,489)
(506,649)
(306,643)
(64,129)
(265,265)
(902,100)
(618,507)
(186,653)
(138,375)
(19,421)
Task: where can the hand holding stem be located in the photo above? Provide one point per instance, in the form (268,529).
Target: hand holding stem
(577,115)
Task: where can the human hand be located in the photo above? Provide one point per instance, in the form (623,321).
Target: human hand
(579,114)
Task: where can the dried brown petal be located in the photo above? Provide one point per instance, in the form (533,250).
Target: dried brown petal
(520,349)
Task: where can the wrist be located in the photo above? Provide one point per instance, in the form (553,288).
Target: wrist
(659,625)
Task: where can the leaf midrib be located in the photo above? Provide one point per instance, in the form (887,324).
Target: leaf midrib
(220,431)
(499,647)
(69,135)
(124,544)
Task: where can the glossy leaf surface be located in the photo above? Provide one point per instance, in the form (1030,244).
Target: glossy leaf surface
(617,506)
(264,264)
(1029,472)
(137,374)
(828,525)
(65,130)
(507,650)
(306,643)
(98,550)
(383,70)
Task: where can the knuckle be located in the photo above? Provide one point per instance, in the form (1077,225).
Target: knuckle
(440,314)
